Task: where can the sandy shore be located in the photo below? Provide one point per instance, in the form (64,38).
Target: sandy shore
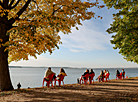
(113,91)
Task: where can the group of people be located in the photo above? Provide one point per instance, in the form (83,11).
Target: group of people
(87,74)
(103,75)
(49,71)
(120,75)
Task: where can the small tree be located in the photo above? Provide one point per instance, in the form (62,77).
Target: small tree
(31,27)
(125,26)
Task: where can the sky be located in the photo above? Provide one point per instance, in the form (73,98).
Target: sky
(88,47)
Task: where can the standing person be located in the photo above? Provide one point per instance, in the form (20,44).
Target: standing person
(117,74)
(48,72)
(19,85)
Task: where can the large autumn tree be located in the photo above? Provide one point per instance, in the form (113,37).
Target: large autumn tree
(31,27)
(125,28)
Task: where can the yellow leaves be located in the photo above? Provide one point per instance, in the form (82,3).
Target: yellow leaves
(77,28)
(1,7)
(97,2)
(102,6)
(15,16)
(1,40)
(100,17)
(31,45)
(38,27)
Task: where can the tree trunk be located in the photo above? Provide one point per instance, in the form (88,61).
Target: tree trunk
(5,81)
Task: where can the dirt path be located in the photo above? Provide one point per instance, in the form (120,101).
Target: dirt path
(113,91)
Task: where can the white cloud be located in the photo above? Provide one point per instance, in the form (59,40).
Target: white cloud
(74,50)
(41,61)
(85,39)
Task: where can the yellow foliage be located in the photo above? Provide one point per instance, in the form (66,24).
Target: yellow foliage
(37,24)
(1,40)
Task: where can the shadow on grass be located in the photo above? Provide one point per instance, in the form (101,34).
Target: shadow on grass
(72,96)
(113,91)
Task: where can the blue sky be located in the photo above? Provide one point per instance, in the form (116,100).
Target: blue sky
(88,47)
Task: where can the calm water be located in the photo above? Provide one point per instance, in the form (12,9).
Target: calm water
(33,77)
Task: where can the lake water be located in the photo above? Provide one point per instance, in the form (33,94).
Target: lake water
(33,77)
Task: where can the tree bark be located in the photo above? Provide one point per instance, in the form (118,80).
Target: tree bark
(5,25)
(5,81)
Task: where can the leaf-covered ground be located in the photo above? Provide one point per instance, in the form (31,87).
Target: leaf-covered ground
(113,91)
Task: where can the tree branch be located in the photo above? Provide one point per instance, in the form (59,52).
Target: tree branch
(12,20)
(23,8)
(56,10)
(0,3)
(36,4)
(5,3)
(11,3)
(15,4)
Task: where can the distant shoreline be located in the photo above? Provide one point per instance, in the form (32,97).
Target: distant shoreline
(69,67)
